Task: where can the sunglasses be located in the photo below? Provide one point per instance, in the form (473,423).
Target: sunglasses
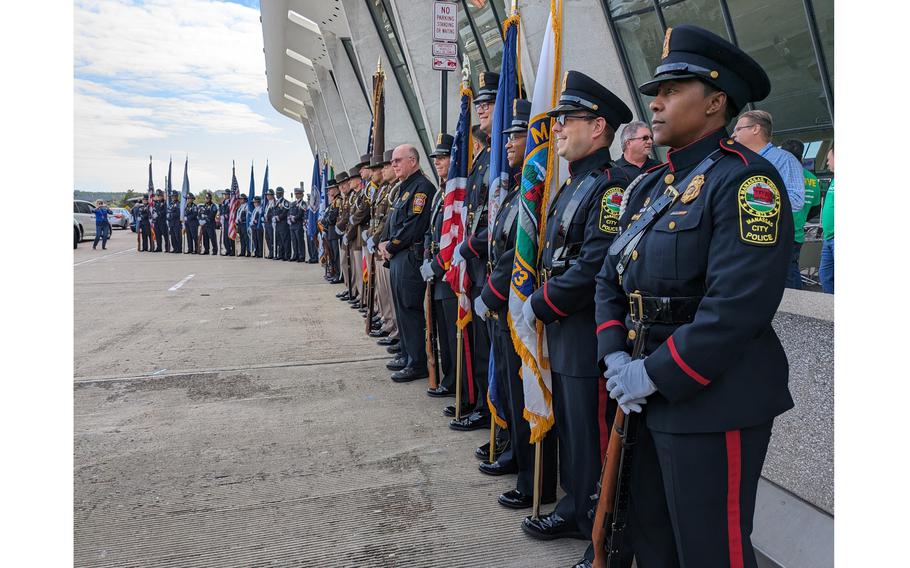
(646,138)
(563,118)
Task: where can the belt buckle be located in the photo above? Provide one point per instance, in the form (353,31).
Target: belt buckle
(636,306)
(671,192)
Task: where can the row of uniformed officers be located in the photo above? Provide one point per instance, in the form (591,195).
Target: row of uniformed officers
(692,253)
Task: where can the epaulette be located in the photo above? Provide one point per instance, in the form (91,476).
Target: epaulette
(731,146)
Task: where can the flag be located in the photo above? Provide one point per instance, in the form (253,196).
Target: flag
(377,127)
(167,183)
(500,172)
(454,216)
(185,190)
(315,186)
(249,202)
(539,177)
(233,204)
(151,199)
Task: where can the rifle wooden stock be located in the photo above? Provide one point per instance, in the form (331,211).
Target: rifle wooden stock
(428,336)
(609,474)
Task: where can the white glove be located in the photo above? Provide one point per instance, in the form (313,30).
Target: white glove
(338,231)
(363,234)
(633,405)
(426,271)
(344,240)
(528,317)
(629,383)
(615,360)
(480,309)
(371,246)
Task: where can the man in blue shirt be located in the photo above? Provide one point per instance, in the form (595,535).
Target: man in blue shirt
(753,130)
(102,226)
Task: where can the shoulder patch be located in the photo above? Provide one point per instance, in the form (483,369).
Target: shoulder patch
(420,199)
(759,211)
(610,204)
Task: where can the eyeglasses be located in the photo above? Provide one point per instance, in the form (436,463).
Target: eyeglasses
(563,118)
(738,128)
(484,105)
(516,137)
(645,138)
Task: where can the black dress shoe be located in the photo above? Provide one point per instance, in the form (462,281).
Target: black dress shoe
(342,296)
(440,392)
(393,348)
(387,341)
(483,452)
(549,527)
(396,364)
(583,563)
(497,468)
(515,499)
(379,333)
(409,374)
(450,410)
(473,421)
(377,320)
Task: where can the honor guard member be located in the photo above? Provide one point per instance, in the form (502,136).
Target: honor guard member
(256,227)
(375,192)
(268,222)
(581,224)
(224,216)
(282,231)
(207,213)
(444,300)
(379,233)
(173,223)
(243,214)
(191,224)
(329,218)
(297,211)
(341,226)
(701,260)
(493,306)
(159,219)
(142,214)
(360,216)
(474,250)
(408,222)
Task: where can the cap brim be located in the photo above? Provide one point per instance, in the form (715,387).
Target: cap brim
(650,88)
(566,107)
(515,129)
(438,153)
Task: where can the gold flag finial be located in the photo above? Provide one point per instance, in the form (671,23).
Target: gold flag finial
(379,64)
(465,69)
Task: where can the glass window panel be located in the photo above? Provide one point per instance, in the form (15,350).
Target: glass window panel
(702,13)
(487,28)
(623,7)
(824,20)
(643,40)
(468,46)
(775,33)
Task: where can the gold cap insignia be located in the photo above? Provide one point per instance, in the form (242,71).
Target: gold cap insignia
(565,79)
(439,139)
(666,51)
(594,107)
(714,74)
(515,106)
(483,80)
(693,190)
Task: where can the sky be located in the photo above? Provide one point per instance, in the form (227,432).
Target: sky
(177,78)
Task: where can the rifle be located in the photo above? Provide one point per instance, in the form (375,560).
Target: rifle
(430,337)
(371,283)
(613,500)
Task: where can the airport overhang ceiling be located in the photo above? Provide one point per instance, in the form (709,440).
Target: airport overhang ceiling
(293,33)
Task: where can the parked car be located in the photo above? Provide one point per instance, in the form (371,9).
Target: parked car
(77,233)
(84,213)
(120,218)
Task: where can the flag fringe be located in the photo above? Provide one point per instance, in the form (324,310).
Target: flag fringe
(543,423)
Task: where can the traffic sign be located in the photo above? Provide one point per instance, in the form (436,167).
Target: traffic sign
(445,21)
(445,49)
(442,63)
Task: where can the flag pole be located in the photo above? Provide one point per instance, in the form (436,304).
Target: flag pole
(459,370)
(492,441)
(538,458)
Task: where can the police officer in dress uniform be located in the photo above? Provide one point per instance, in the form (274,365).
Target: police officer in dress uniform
(141,214)
(173,223)
(408,222)
(297,212)
(329,218)
(707,275)
(191,224)
(375,192)
(581,224)
(492,305)
(360,216)
(282,231)
(268,222)
(207,213)
(159,219)
(341,226)
(474,250)
(224,214)
(389,193)
(256,227)
(243,213)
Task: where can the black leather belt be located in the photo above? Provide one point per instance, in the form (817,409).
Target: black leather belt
(662,309)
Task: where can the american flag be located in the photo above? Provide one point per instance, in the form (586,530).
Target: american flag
(233,204)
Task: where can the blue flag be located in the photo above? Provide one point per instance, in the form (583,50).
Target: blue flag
(315,186)
(249,202)
(184,191)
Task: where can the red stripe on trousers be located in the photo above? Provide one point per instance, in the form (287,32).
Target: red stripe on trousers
(734,475)
(602,418)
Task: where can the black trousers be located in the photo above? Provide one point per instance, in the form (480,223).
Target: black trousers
(313,249)
(407,295)
(445,320)
(335,245)
(298,243)
(192,237)
(176,237)
(480,357)
(256,245)
(244,240)
(270,239)
(161,235)
(519,429)
(209,239)
(283,236)
(145,234)
(226,240)
(693,497)
(579,417)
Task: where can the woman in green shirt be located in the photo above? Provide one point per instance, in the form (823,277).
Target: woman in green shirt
(826,265)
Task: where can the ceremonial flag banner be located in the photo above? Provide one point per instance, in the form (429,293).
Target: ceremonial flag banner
(151,199)
(500,173)
(185,190)
(249,202)
(539,178)
(315,193)
(233,204)
(167,184)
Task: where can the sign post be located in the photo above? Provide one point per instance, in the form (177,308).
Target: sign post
(445,49)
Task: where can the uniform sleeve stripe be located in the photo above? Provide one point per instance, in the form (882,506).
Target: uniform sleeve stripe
(546,297)
(609,324)
(494,290)
(682,364)
(470,246)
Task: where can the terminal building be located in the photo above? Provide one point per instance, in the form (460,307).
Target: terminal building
(320,56)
